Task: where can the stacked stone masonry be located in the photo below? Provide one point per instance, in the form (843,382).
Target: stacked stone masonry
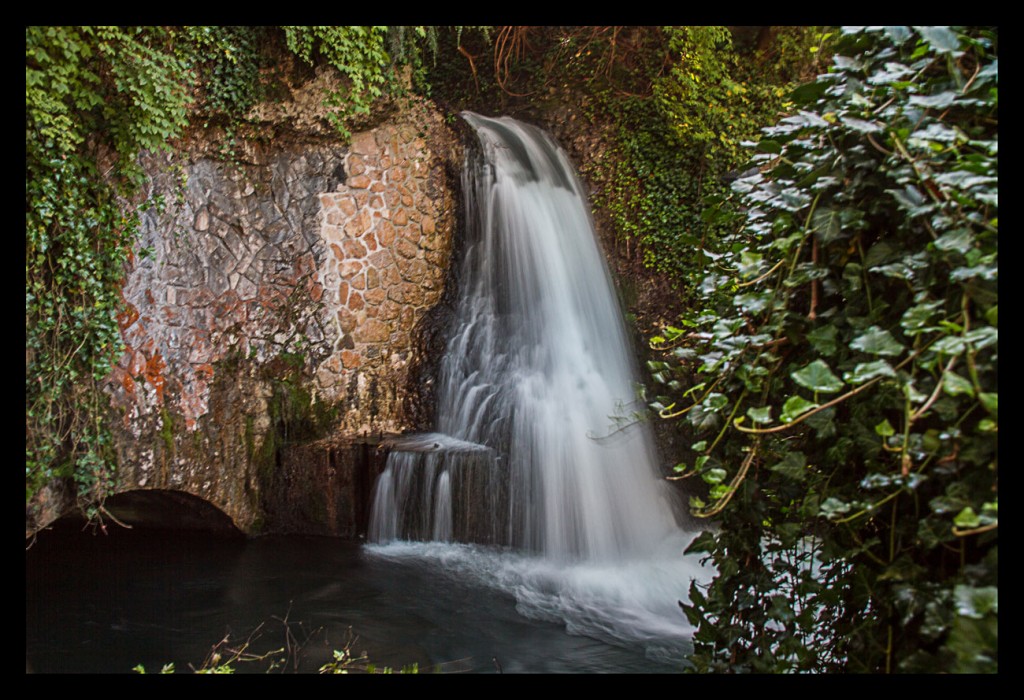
(304,250)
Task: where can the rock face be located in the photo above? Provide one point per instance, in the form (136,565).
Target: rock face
(274,300)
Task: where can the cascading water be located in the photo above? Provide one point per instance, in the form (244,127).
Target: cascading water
(536,381)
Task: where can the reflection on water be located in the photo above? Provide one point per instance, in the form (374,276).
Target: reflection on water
(107,603)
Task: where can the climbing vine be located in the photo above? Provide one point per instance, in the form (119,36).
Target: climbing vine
(841,377)
(97,97)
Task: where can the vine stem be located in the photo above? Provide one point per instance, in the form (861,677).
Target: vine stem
(833,402)
(733,485)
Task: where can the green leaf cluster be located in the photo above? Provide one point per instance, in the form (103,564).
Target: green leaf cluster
(857,302)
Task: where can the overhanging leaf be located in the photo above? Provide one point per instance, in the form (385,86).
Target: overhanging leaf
(942,39)
(955,385)
(866,371)
(794,407)
(876,341)
(818,376)
(823,339)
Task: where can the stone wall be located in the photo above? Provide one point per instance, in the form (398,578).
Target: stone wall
(282,287)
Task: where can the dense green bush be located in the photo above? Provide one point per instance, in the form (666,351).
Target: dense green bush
(691,101)
(845,360)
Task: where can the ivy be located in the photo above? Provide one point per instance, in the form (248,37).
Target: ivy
(858,295)
(96,98)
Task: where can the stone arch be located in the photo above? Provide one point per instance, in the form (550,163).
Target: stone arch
(177,510)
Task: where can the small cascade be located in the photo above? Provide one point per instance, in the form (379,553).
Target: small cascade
(437,488)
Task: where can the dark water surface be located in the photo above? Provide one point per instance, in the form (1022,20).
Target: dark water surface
(103,604)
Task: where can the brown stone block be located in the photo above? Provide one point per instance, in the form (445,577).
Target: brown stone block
(355,165)
(334,217)
(407,319)
(355,301)
(412,234)
(347,205)
(405,248)
(364,143)
(376,202)
(381,260)
(362,199)
(372,331)
(436,258)
(397,175)
(347,321)
(407,200)
(397,294)
(353,249)
(343,293)
(413,294)
(358,281)
(390,276)
(370,241)
(372,278)
(392,198)
(350,359)
(350,268)
(358,182)
(332,364)
(336,249)
(385,233)
(427,226)
(389,310)
(330,232)
(374,296)
(378,187)
(326,201)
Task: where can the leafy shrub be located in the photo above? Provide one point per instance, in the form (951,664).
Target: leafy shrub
(845,360)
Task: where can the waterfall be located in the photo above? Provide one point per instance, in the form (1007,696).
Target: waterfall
(538,448)
(538,370)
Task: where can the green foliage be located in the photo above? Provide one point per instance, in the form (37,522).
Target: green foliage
(91,93)
(679,130)
(858,529)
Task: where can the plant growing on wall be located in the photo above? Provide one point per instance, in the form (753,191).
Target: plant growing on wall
(846,398)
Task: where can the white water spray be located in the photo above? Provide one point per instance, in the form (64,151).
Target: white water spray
(536,381)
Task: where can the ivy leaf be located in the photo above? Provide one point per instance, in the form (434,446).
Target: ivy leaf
(818,376)
(824,339)
(794,407)
(827,224)
(939,101)
(861,125)
(942,39)
(832,508)
(990,401)
(885,429)
(967,518)
(760,415)
(976,602)
(916,319)
(866,371)
(714,476)
(954,385)
(876,341)
(960,240)
(793,466)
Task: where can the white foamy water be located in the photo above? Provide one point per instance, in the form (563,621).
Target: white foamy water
(538,366)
